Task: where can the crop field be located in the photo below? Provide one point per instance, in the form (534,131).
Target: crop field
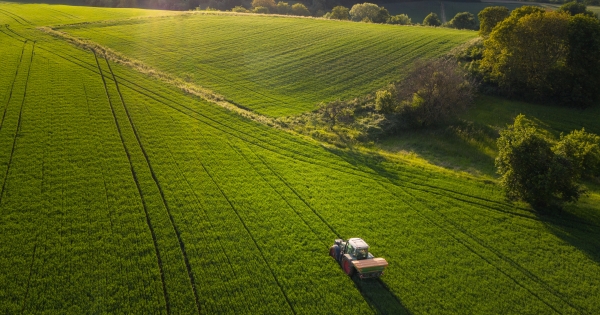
(123,194)
(275,66)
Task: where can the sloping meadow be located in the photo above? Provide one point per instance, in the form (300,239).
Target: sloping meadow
(276,66)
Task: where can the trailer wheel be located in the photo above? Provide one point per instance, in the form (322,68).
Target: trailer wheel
(347,266)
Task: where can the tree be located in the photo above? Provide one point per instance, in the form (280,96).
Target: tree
(432,20)
(401,19)
(339,13)
(270,4)
(583,150)
(300,9)
(434,91)
(490,17)
(382,16)
(574,8)
(568,70)
(531,171)
(463,20)
(360,11)
(512,52)
(283,8)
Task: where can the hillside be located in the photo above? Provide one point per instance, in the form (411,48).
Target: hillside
(123,194)
(274,65)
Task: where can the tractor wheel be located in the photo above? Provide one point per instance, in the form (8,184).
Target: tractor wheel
(334,252)
(347,266)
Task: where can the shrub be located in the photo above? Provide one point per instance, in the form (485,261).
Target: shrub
(360,11)
(300,9)
(401,19)
(463,20)
(531,171)
(490,17)
(435,91)
(385,100)
(261,10)
(574,8)
(269,4)
(284,8)
(583,150)
(339,13)
(432,20)
(240,9)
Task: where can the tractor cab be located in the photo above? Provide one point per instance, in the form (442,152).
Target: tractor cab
(353,255)
(357,248)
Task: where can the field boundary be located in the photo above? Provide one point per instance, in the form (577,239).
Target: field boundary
(140,67)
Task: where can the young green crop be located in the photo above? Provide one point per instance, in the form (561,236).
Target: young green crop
(272,65)
(122,194)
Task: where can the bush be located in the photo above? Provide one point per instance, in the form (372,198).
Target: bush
(463,20)
(401,19)
(360,11)
(382,16)
(339,13)
(300,9)
(435,91)
(283,8)
(269,4)
(531,171)
(574,8)
(432,20)
(385,100)
(240,9)
(490,17)
(583,150)
(261,10)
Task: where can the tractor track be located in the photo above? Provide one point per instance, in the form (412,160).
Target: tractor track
(499,255)
(29,276)
(251,237)
(363,173)
(272,187)
(12,85)
(160,190)
(190,187)
(135,179)
(12,151)
(15,15)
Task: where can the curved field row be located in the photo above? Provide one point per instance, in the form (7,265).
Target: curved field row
(273,65)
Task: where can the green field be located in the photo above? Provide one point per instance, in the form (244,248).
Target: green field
(122,194)
(272,65)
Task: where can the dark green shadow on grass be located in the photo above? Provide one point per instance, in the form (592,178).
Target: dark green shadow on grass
(379,296)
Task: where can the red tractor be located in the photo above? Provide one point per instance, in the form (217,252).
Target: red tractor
(354,257)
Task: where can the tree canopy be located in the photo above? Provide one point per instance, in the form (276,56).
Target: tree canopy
(566,72)
(432,19)
(490,17)
(463,20)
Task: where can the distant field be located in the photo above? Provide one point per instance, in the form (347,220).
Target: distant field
(273,65)
(122,194)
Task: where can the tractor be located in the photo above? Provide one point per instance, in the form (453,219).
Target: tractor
(354,257)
